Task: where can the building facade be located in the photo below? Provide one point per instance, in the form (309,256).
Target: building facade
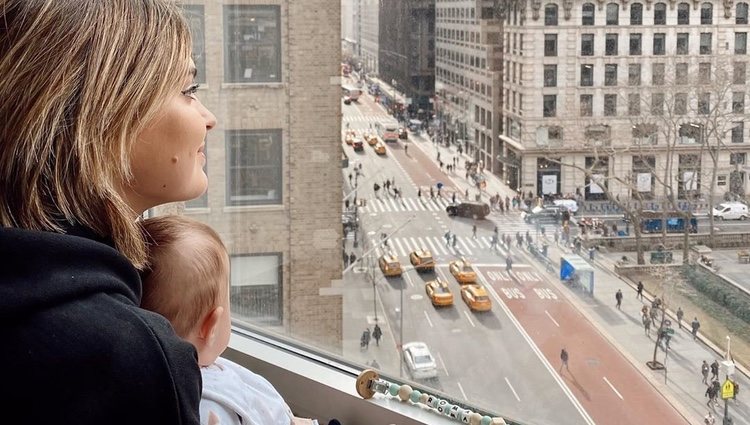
(271,74)
(367,28)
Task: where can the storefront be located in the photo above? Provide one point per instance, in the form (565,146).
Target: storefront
(548,177)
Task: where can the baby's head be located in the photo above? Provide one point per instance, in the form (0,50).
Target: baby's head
(187,282)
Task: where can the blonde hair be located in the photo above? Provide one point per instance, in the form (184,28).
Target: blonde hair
(81,79)
(188,271)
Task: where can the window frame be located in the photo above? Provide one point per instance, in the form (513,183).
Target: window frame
(612,14)
(241,134)
(660,13)
(662,39)
(636,14)
(230,48)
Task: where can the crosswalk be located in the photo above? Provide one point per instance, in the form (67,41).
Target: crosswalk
(365,118)
(402,246)
(390,204)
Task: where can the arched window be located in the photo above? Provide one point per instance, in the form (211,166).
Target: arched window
(707,14)
(613,14)
(587,14)
(741,15)
(683,14)
(660,14)
(550,14)
(636,14)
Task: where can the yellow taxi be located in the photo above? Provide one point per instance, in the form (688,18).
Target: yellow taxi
(389,265)
(349,139)
(371,139)
(439,293)
(422,260)
(475,296)
(379,148)
(462,271)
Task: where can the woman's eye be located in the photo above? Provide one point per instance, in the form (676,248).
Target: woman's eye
(191,91)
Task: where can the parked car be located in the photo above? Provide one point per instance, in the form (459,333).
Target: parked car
(545,214)
(419,361)
(475,296)
(475,210)
(731,211)
(422,260)
(462,271)
(389,265)
(439,292)
(570,204)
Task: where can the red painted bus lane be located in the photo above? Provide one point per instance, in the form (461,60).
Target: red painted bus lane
(608,387)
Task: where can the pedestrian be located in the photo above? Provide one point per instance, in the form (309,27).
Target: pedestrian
(618,297)
(346,260)
(508,264)
(680,314)
(711,394)
(438,156)
(447,237)
(591,253)
(715,370)
(736,390)
(350,178)
(564,358)
(495,230)
(639,290)
(466,194)
(453,236)
(366,335)
(474,231)
(352,259)
(440,163)
(406,150)
(346,204)
(646,324)
(694,328)
(704,372)
(432,193)
(453,198)
(419,193)
(709,419)
(377,333)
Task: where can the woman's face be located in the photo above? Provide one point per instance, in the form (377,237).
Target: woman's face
(168,156)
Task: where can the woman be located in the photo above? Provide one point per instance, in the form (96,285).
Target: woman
(100,123)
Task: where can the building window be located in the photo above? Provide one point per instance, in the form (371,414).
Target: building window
(634,104)
(587,44)
(550,44)
(681,73)
(613,14)
(680,103)
(741,14)
(657,103)
(660,14)
(636,14)
(737,158)
(657,74)
(707,14)
(705,47)
(738,102)
(587,105)
(253,167)
(610,74)
(550,75)
(683,45)
(704,72)
(634,74)
(635,44)
(704,103)
(740,43)
(549,108)
(255,287)
(740,72)
(587,14)
(610,45)
(196,18)
(550,14)
(587,75)
(738,132)
(683,14)
(610,105)
(659,43)
(252,44)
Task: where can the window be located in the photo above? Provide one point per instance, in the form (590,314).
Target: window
(657,74)
(252,44)
(680,103)
(659,43)
(549,108)
(635,44)
(587,44)
(660,14)
(738,132)
(613,14)
(550,44)
(587,75)
(705,48)
(550,14)
(610,45)
(550,75)
(636,14)
(741,14)
(195,16)
(738,158)
(634,74)
(634,104)
(738,102)
(255,288)
(682,43)
(657,103)
(587,14)
(740,43)
(587,105)
(681,73)
(707,14)
(253,167)
(610,105)
(610,74)
(704,73)
(704,103)
(740,72)
(683,14)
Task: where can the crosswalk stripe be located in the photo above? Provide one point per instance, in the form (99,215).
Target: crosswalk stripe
(400,248)
(471,242)
(414,245)
(486,242)
(394,204)
(433,247)
(468,250)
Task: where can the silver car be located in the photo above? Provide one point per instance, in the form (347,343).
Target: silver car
(419,360)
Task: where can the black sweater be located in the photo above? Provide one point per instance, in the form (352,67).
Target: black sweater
(76,348)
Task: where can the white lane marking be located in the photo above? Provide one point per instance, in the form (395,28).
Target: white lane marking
(613,387)
(468,250)
(460,388)
(435,251)
(442,363)
(552,371)
(470,241)
(407,279)
(416,245)
(550,318)
(427,316)
(512,389)
(405,241)
(394,204)
(422,244)
(486,243)
(466,313)
(398,245)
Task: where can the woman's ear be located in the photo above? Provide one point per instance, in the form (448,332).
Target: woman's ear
(210,323)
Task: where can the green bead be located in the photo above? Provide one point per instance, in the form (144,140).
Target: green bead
(486,420)
(414,397)
(393,390)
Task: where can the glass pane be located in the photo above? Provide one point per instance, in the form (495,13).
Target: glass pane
(252,44)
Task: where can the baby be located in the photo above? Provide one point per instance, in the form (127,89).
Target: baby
(187,282)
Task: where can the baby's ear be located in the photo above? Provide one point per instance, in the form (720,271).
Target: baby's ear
(210,323)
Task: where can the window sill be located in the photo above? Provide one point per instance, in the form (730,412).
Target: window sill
(197,210)
(253,208)
(238,86)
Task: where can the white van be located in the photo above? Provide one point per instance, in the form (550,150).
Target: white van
(570,204)
(731,211)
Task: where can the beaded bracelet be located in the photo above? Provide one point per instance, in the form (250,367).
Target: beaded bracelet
(369,383)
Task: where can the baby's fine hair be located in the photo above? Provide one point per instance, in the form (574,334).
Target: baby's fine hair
(187,273)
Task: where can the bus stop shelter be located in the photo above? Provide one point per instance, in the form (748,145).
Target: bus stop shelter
(576,270)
